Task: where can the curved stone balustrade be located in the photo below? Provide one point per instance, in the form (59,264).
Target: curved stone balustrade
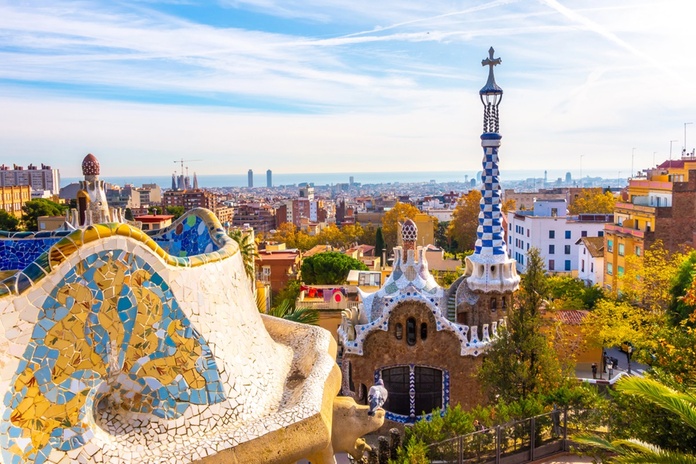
(119,346)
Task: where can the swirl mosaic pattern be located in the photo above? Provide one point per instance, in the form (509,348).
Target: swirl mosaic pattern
(187,237)
(110,333)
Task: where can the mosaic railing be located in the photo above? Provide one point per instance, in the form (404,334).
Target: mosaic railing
(110,331)
(119,346)
(19,249)
(192,240)
(188,236)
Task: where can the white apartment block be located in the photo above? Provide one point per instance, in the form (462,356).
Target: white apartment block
(44,178)
(591,260)
(549,228)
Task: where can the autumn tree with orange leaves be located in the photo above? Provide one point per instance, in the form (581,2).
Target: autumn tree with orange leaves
(462,227)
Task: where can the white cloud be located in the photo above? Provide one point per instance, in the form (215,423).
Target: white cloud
(397,86)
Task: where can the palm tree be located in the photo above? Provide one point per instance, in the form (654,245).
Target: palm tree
(287,310)
(247,248)
(681,404)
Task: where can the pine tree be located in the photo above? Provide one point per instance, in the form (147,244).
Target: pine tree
(379,243)
(522,361)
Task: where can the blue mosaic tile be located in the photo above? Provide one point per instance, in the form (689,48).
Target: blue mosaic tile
(188,237)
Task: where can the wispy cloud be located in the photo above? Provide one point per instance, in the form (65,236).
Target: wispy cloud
(362,73)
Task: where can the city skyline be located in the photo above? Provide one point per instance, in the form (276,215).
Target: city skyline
(331,87)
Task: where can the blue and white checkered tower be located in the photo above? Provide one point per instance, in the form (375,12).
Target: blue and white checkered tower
(489,268)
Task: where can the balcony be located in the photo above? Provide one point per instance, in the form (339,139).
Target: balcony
(630,207)
(617,229)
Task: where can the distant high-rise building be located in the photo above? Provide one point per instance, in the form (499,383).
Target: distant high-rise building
(269,179)
(250,177)
(351,180)
(569,178)
(44,178)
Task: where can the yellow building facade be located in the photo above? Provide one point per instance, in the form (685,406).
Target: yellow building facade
(660,206)
(13,198)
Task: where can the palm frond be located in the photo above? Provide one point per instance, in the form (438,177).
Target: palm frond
(667,457)
(304,316)
(596,442)
(631,451)
(286,310)
(681,404)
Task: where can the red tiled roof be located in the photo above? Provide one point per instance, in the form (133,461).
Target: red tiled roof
(678,164)
(154,217)
(571,316)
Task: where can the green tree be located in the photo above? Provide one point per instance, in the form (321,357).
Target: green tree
(40,207)
(352,234)
(446,278)
(390,222)
(462,227)
(379,243)
(247,248)
(681,405)
(128,214)
(291,291)
(413,452)
(331,235)
(681,308)
(304,241)
(8,222)
(648,281)
(441,238)
(330,267)
(572,293)
(369,236)
(612,323)
(285,233)
(176,211)
(521,361)
(593,201)
(154,210)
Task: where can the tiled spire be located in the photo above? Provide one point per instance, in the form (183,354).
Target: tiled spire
(489,268)
(489,235)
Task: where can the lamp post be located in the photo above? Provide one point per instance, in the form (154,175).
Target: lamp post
(685,124)
(581,170)
(633,154)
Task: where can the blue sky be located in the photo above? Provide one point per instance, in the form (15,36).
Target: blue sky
(333,86)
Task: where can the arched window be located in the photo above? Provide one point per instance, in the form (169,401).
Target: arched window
(494,304)
(503,301)
(399,331)
(411,331)
(424,331)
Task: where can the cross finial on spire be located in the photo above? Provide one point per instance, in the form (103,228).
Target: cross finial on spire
(490,61)
(491,87)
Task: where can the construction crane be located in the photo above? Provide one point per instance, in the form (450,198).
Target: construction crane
(182,161)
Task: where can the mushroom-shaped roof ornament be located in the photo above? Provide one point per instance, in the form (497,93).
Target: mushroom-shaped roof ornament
(409,234)
(90,165)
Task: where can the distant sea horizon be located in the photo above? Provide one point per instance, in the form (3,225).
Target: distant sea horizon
(332,178)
